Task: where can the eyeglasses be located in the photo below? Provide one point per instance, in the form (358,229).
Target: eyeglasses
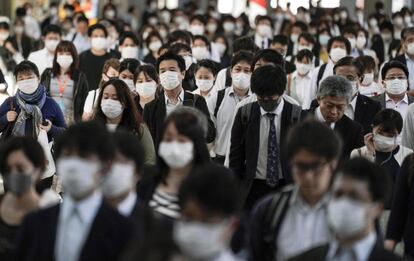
(302,168)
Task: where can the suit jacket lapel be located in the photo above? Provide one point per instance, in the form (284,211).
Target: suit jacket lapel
(95,233)
(253,132)
(359,109)
(188,99)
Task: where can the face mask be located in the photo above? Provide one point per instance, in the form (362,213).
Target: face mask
(396,86)
(110,14)
(19,29)
(360,42)
(28,86)
(153,21)
(337,54)
(341,221)
(197,29)
(78,176)
(200,53)
(166,16)
(368,79)
(241,81)
(129,83)
(4,36)
(176,154)
(386,37)
(211,28)
(407,19)
(410,48)
(118,181)
(221,48)
(264,30)
(204,85)
(188,61)
(268,105)
(304,47)
(398,21)
(303,69)
(294,37)
(352,41)
(99,43)
(129,52)
(170,80)
(383,143)
(155,46)
(344,15)
(199,241)
(373,22)
(53,11)
(111,108)
(324,39)
(18,183)
(146,89)
(145,35)
(65,61)
(228,26)
(51,45)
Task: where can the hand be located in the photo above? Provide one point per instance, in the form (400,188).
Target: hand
(389,244)
(369,142)
(11,116)
(46,127)
(86,116)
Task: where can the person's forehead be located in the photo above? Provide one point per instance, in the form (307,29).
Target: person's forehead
(346,70)
(169,63)
(395,71)
(348,184)
(335,100)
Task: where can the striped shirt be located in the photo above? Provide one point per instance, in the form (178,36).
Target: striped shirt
(165,204)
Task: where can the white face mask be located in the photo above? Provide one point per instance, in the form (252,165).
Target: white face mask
(99,43)
(118,181)
(241,81)
(264,30)
(51,45)
(200,53)
(396,86)
(352,41)
(19,29)
(129,83)
(155,46)
(324,39)
(146,89)
(170,80)
(346,217)
(204,85)
(360,42)
(65,61)
(383,143)
(129,52)
(229,26)
(197,29)
(28,86)
(304,47)
(211,28)
(303,68)
(410,48)
(221,48)
(188,61)
(78,176)
(111,108)
(294,37)
(337,54)
(4,36)
(176,154)
(368,79)
(199,241)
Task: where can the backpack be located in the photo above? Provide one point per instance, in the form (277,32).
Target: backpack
(228,77)
(220,97)
(320,73)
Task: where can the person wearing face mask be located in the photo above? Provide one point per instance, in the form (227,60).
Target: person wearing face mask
(109,11)
(185,51)
(323,37)
(280,44)
(126,73)
(128,46)
(31,25)
(298,28)
(171,69)
(211,27)
(44,58)
(395,81)
(80,36)
(408,57)
(9,56)
(307,41)
(20,41)
(205,76)
(350,34)
(222,46)
(361,44)
(294,219)
(210,206)
(146,86)
(398,22)
(263,31)
(384,43)
(197,25)
(361,188)
(77,228)
(31,110)
(182,149)
(65,83)
(259,161)
(201,48)
(117,110)
(53,15)
(367,85)
(154,43)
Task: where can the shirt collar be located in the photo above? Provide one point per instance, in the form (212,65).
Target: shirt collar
(180,97)
(127,205)
(87,207)
(320,117)
(296,75)
(297,200)
(405,99)
(362,248)
(232,93)
(277,111)
(353,102)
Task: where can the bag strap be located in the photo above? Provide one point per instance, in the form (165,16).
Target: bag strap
(245,113)
(289,82)
(220,97)
(228,77)
(295,114)
(320,73)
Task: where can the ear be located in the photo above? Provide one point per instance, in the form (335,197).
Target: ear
(318,99)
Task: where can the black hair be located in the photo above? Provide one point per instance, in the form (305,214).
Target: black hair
(350,61)
(30,148)
(85,139)
(82,18)
(244,43)
(394,64)
(387,25)
(308,37)
(209,64)
(52,28)
(339,39)
(178,47)
(129,64)
(314,137)
(270,56)
(97,27)
(361,169)
(204,39)
(304,53)
(129,35)
(260,18)
(26,66)
(149,70)
(20,11)
(151,35)
(388,120)
(198,17)
(368,63)
(268,80)
(280,38)
(301,25)
(406,31)
(171,56)
(129,146)
(213,188)
(180,35)
(4,25)
(349,30)
(242,56)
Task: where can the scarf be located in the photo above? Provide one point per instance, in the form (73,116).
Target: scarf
(30,107)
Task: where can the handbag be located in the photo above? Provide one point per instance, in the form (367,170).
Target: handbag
(9,128)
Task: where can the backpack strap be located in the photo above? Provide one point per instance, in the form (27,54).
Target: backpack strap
(289,82)
(74,36)
(295,114)
(220,97)
(196,96)
(246,110)
(320,73)
(228,77)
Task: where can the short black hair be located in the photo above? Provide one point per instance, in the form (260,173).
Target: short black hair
(148,70)
(406,31)
(361,169)
(245,43)
(242,56)
(29,146)
(387,25)
(4,25)
(314,137)
(394,64)
(129,146)
(270,56)
(86,138)
(180,35)
(171,56)
(349,30)
(368,63)
(178,47)
(388,120)
(209,64)
(198,17)
(308,37)
(268,80)
(339,39)
(97,27)
(129,35)
(152,35)
(213,188)
(304,53)
(82,18)
(52,28)
(204,39)
(26,66)
(350,61)
(129,64)
(263,17)
(301,25)
(280,38)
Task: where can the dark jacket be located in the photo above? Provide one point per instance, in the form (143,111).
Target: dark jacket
(155,113)
(107,237)
(381,99)
(80,90)
(379,47)
(27,45)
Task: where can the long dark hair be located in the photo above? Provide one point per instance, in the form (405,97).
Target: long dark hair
(66,46)
(131,118)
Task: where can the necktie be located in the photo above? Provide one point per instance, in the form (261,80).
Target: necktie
(263,44)
(72,241)
(272,175)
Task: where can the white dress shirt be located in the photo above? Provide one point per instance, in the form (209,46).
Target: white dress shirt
(73,228)
(303,227)
(319,117)
(328,72)
(170,106)
(350,109)
(208,98)
(220,82)
(400,106)
(81,42)
(300,89)
(261,42)
(42,58)
(359,251)
(127,205)
(261,171)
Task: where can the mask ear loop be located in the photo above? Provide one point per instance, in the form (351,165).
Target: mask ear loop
(391,153)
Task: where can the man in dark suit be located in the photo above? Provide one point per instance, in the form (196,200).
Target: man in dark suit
(407,38)
(362,189)
(83,227)
(257,152)
(334,96)
(171,68)
(280,45)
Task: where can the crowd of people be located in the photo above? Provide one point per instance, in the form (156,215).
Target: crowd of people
(196,135)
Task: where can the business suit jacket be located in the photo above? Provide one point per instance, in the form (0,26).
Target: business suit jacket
(381,99)
(379,47)
(155,113)
(107,237)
